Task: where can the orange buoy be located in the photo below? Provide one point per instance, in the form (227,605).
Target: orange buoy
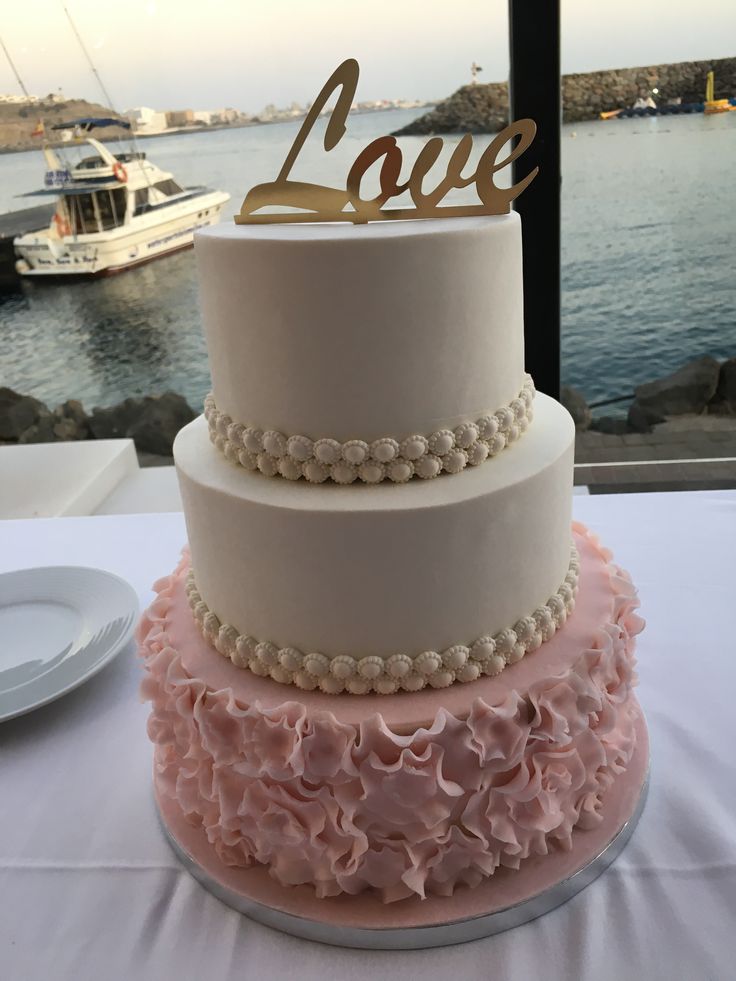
(62,225)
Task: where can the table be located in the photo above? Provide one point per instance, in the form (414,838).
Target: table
(90,890)
(149,489)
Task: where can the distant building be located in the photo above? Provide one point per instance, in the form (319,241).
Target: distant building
(179,117)
(147,120)
(31,100)
(19,99)
(227,115)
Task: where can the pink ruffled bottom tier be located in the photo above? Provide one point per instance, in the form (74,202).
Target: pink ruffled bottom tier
(405,795)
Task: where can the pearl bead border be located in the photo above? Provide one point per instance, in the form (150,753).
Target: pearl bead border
(448,450)
(359,676)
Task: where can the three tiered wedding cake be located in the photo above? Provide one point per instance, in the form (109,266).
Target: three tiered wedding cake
(366,674)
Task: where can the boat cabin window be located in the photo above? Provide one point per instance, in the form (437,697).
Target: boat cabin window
(168,187)
(97,211)
(140,201)
(160,190)
(84,219)
(91,163)
(111,205)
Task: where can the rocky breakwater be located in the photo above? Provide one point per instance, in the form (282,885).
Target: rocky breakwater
(483,108)
(151,422)
(701,387)
(472,109)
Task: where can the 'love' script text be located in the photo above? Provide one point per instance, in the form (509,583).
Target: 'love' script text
(319,203)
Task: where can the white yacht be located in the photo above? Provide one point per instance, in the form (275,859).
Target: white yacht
(113,211)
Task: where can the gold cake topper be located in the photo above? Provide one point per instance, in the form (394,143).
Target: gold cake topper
(320,203)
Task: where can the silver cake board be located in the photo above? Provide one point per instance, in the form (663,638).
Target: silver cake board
(505,900)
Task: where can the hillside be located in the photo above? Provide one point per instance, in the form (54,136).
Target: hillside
(17,122)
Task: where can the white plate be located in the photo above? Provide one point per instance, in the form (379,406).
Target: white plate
(59,626)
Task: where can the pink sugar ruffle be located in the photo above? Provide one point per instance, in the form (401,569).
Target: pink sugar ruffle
(348,809)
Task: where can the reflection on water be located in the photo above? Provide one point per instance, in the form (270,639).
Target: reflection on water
(137,333)
(647,243)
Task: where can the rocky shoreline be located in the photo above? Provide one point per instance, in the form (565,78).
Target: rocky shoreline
(151,422)
(704,387)
(484,108)
(19,139)
(701,387)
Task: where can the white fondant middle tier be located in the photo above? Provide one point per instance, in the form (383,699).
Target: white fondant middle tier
(360,332)
(378,570)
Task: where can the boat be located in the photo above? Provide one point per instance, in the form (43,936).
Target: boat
(647,107)
(113,211)
(666,109)
(711,104)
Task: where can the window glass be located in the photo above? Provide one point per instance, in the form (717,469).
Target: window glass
(168,187)
(140,200)
(84,219)
(648,292)
(111,205)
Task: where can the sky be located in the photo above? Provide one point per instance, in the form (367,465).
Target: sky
(212,53)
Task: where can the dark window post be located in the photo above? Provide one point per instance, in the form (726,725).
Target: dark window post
(535,92)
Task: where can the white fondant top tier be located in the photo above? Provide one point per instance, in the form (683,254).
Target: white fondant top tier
(359,332)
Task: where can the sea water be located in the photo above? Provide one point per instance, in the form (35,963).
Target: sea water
(648,245)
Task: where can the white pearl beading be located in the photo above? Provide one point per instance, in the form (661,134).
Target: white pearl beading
(448,450)
(358,676)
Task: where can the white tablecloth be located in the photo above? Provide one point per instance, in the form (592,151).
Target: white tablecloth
(90,890)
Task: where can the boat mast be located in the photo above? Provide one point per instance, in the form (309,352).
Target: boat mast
(87,56)
(52,161)
(19,80)
(105,93)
